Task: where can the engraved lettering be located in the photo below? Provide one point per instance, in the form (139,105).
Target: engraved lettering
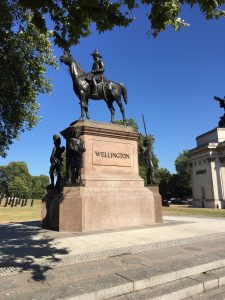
(103,154)
(97,153)
(112,155)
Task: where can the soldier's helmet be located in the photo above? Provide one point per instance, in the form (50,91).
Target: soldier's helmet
(146,142)
(56,139)
(96,53)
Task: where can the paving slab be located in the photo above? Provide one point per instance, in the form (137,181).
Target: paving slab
(102,287)
(38,263)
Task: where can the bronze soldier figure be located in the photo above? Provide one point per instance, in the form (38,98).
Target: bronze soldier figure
(74,158)
(148,158)
(96,74)
(56,162)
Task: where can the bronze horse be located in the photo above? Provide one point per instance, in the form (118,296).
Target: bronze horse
(107,90)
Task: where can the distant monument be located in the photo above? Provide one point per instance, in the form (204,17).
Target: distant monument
(207,162)
(221,101)
(103,189)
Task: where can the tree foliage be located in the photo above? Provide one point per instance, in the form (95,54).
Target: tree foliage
(72,19)
(183,178)
(39,184)
(25,44)
(17,187)
(3,181)
(15,180)
(24,54)
(163,179)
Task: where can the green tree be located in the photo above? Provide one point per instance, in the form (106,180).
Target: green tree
(39,184)
(25,48)
(3,181)
(163,177)
(129,122)
(12,172)
(17,187)
(180,183)
(72,19)
(24,54)
(15,180)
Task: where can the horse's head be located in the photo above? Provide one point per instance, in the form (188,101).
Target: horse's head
(66,58)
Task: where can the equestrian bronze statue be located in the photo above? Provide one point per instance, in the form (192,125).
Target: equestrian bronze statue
(94,86)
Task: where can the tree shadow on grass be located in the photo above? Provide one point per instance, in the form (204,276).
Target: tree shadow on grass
(26,247)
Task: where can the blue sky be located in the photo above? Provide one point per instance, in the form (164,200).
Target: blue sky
(171,79)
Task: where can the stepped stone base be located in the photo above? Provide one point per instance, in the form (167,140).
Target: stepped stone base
(112,194)
(97,206)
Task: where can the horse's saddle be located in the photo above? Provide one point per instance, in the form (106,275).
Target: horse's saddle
(107,84)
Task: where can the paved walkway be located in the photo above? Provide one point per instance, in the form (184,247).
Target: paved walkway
(42,264)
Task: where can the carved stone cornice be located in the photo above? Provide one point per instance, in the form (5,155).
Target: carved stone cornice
(211,159)
(101,129)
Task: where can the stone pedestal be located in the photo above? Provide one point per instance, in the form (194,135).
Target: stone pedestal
(112,194)
(154,188)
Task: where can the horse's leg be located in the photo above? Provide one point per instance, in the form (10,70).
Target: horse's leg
(119,102)
(86,109)
(112,110)
(82,105)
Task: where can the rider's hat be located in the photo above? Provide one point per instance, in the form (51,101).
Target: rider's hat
(96,53)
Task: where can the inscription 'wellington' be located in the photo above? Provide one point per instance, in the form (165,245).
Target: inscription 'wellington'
(112,155)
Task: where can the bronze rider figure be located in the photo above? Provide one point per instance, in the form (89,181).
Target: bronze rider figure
(97,71)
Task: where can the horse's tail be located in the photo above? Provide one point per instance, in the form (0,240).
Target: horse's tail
(124,92)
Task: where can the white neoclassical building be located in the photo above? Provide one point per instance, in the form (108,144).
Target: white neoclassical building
(207,161)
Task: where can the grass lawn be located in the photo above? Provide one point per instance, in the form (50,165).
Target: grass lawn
(179,210)
(33,213)
(20,214)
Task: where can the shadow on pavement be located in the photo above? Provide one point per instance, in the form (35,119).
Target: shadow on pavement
(24,247)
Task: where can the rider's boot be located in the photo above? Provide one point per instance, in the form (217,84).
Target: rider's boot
(94,87)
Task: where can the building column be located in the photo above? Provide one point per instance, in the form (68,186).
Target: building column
(214,167)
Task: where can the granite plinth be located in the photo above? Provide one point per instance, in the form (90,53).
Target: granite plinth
(112,194)
(154,188)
